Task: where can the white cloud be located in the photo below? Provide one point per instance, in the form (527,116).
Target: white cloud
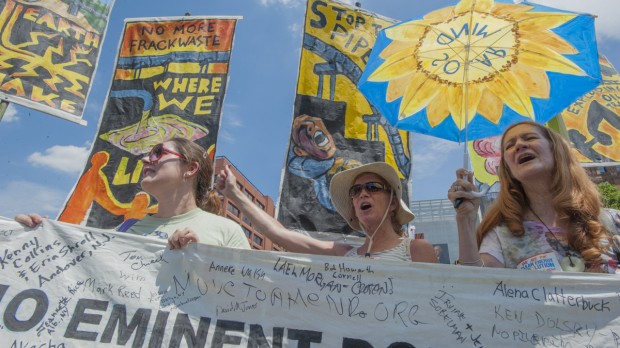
(231,117)
(22,197)
(295,29)
(287,3)
(607,12)
(231,120)
(68,159)
(226,136)
(430,154)
(10,115)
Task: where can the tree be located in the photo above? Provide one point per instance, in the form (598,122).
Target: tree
(610,195)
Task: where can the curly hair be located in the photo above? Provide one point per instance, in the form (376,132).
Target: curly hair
(576,199)
(206,198)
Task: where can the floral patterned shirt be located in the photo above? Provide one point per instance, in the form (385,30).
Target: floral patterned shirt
(541,249)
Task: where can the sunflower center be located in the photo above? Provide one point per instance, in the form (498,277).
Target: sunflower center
(472,47)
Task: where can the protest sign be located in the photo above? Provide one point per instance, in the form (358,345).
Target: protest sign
(334,127)
(170,80)
(49,53)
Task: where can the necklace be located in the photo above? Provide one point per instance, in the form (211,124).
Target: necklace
(569,263)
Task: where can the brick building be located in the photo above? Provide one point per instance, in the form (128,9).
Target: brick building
(599,174)
(256,238)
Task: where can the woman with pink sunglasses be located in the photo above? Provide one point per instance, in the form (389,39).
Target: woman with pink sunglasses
(178,174)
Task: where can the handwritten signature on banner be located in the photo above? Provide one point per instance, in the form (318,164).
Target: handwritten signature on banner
(69,286)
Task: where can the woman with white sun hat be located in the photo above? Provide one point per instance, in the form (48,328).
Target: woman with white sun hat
(368,197)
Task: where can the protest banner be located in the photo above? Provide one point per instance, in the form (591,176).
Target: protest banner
(334,127)
(65,285)
(49,52)
(170,79)
(593,121)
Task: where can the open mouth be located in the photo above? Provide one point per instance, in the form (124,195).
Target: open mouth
(365,206)
(525,158)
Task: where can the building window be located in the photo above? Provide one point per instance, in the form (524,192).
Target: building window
(232,209)
(260,205)
(257,239)
(239,186)
(602,170)
(246,231)
(246,220)
(249,195)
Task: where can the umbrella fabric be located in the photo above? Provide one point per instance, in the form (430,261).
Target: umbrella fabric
(470,70)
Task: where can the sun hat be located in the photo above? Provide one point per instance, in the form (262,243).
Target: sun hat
(342,182)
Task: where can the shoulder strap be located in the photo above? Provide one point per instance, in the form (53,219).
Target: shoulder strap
(126,225)
(408,249)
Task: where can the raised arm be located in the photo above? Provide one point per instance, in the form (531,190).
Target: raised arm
(226,183)
(466,217)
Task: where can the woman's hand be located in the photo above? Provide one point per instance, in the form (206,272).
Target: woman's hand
(31,220)
(462,188)
(181,238)
(226,182)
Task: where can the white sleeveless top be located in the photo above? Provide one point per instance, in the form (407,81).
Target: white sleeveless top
(401,252)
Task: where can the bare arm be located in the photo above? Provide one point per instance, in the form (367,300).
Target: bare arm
(422,251)
(226,183)
(466,216)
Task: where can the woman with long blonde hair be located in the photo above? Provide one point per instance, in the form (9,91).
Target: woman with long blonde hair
(547,216)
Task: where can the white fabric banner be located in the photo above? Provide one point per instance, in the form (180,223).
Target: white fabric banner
(69,286)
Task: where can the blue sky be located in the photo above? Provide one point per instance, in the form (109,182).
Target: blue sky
(41,156)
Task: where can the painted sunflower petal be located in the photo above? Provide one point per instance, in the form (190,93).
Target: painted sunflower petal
(506,87)
(550,40)
(501,9)
(490,106)
(440,15)
(537,21)
(409,31)
(475,5)
(437,110)
(396,66)
(535,82)
(456,103)
(394,47)
(419,93)
(541,57)
(396,88)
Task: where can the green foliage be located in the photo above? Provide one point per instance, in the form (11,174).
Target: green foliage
(610,195)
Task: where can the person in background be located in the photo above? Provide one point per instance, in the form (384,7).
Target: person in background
(548,214)
(178,174)
(368,197)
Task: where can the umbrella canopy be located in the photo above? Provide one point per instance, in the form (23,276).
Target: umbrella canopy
(470,70)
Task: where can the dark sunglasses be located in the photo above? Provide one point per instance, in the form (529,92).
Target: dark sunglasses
(158,151)
(370,187)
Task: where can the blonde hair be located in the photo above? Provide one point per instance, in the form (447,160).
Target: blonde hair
(575,198)
(206,198)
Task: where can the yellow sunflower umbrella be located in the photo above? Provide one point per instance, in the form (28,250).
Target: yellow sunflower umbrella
(468,71)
